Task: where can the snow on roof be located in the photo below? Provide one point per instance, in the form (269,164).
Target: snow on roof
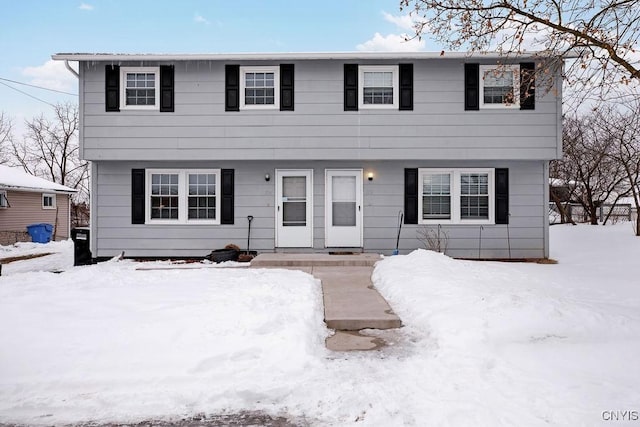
(14,178)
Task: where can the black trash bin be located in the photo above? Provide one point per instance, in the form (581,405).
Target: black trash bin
(81,246)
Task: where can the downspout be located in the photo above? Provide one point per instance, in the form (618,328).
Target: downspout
(74,72)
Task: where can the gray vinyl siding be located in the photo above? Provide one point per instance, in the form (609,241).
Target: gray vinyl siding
(382,198)
(319,129)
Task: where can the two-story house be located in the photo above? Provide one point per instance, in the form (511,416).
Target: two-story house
(322,149)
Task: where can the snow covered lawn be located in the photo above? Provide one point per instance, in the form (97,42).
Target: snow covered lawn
(484,343)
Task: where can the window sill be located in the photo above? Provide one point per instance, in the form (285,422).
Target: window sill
(259,107)
(140,107)
(456,223)
(499,106)
(180,223)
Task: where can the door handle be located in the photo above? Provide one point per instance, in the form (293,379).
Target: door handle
(359,208)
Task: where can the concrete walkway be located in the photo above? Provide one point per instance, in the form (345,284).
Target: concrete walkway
(351,303)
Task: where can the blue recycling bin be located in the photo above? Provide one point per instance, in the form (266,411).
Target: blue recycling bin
(40,233)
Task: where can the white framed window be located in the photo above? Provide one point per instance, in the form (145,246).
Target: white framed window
(456,196)
(4,202)
(140,88)
(177,196)
(499,86)
(259,87)
(48,201)
(378,86)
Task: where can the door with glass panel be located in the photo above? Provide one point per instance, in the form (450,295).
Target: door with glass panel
(343,206)
(294,208)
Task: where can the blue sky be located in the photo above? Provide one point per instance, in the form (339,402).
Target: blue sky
(32,30)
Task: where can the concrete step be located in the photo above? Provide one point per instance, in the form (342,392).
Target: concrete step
(314,260)
(351,302)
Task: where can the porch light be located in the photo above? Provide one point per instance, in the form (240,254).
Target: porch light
(370,176)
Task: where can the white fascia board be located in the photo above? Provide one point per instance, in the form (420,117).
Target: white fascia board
(290,56)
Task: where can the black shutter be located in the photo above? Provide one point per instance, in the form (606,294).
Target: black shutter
(112,88)
(406,86)
(226,217)
(411,196)
(350,87)
(137,196)
(286,87)
(232,88)
(166,88)
(527,86)
(502,196)
(471,87)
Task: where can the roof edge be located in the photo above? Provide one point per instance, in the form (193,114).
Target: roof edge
(300,56)
(5,187)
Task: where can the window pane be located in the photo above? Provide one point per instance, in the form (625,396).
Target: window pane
(201,197)
(259,88)
(498,87)
(294,214)
(164,196)
(140,89)
(294,187)
(377,95)
(343,214)
(436,196)
(474,196)
(377,87)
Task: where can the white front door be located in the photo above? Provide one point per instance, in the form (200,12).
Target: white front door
(294,208)
(343,202)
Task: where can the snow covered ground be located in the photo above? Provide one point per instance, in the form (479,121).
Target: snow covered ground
(484,343)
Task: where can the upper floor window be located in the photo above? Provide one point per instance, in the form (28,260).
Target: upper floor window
(48,201)
(140,87)
(379,86)
(459,196)
(499,86)
(183,196)
(259,87)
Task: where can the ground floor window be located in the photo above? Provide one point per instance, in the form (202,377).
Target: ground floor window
(183,196)
(456,196)
(4,202)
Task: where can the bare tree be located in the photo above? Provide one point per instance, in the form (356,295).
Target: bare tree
(622,122)
(588,159)
(606,31)
(6,137)
(50,149)
(562,189)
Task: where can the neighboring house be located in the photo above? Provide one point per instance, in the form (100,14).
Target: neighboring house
(26,199)
(322,149)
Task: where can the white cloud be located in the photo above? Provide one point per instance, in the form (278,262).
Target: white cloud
(200,19)
(52,75)
(404,22)
(391,43)
(404,42)
(85,6)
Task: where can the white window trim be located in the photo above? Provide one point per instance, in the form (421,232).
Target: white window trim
(455,196)
(516,86)
(53,200)
(183,192)
(276,87)
(396,86)
(123,87)
(4,202)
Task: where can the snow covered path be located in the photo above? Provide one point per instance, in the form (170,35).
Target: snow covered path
(485,343)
